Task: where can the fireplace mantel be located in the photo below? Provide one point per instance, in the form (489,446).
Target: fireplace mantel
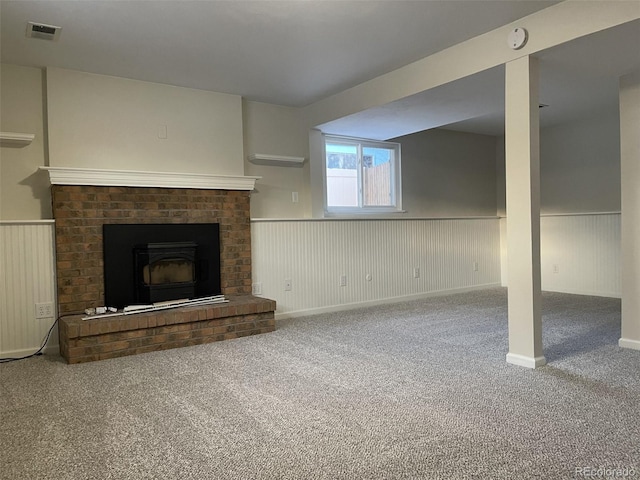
(134,178)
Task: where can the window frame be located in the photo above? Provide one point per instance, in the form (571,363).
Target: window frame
(395,183)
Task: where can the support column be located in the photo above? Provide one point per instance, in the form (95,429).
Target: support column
(630,201)
(522,171)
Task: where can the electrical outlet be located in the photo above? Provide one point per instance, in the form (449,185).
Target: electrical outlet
(44,310)
(475,266)
(256,288)
(416,272)
(343,280)
(287,285)
(556,268)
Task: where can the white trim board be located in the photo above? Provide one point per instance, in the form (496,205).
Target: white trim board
(383,301)
(27,222)
(524,361)
(366,218)
(628,343)
(586,293)
(135,178)
(27,352)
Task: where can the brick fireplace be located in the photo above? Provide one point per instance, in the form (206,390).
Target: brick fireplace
(80,211)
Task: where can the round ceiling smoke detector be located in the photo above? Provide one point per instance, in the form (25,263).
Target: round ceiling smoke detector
(517,38)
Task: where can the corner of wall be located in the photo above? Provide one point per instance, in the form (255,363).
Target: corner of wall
(24,190)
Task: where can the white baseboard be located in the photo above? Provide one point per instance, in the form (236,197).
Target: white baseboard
(579,292)
(383,301)
(628,343)
(585,292)
(48,350)
(524,361)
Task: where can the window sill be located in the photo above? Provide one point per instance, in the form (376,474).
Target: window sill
(356,214)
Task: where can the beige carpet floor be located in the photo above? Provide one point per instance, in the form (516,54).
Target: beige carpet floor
(415,390)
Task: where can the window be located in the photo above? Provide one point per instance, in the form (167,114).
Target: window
(361,176)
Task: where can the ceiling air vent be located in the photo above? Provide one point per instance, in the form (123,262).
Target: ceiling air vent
(43,31)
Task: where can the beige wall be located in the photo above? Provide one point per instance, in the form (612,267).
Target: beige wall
(579,161)
(579,166)
(24,191)
(448,174)
(276,130)
(113,123)
(97,121)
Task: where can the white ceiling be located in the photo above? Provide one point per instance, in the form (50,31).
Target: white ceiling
(577,79)
(297,52)
(282,52)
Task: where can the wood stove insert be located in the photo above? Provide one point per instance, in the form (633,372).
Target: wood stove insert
(165,271)
(148,263)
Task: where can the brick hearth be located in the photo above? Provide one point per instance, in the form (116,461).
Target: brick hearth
(80,211)
(99,339)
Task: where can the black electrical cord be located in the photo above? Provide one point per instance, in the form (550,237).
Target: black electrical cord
(35,354)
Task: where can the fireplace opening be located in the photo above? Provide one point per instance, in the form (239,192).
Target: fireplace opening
(149,263)
(165,271)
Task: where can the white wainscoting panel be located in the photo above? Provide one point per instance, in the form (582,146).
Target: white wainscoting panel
(578,253)
(581,254)
(27,277)
(378,258)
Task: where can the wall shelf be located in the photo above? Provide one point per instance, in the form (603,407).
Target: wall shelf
(276,160)
(10,139)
